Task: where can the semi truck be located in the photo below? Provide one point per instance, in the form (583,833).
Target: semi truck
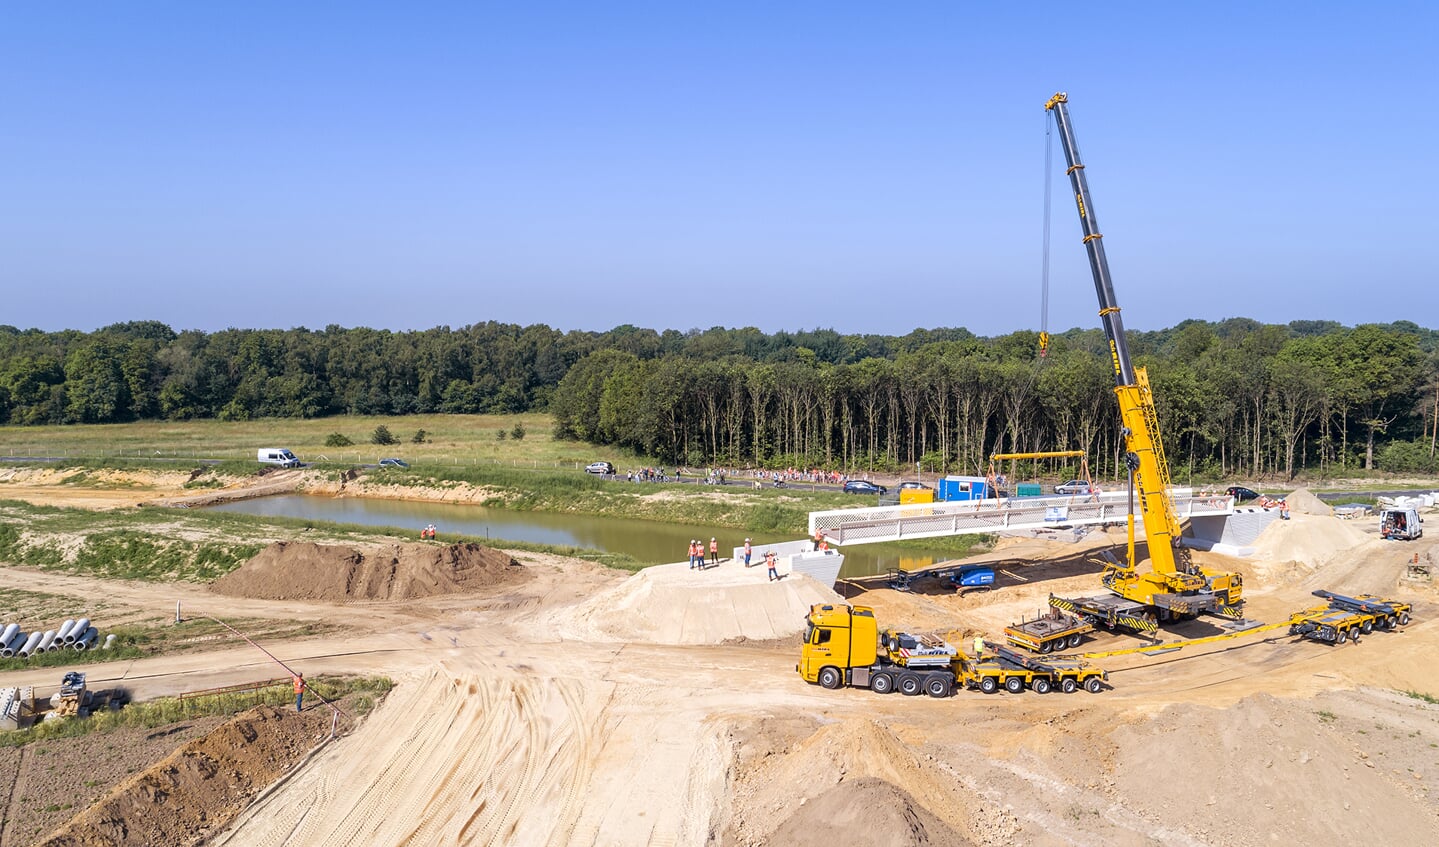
(843,645)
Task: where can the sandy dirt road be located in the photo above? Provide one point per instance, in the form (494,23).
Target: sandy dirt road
(509,727)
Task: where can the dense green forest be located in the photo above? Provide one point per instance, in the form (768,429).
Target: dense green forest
(1234,397)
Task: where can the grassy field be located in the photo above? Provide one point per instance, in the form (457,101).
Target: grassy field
(357,694)
(449,440)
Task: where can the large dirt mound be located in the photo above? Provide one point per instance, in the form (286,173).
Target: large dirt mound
(669,604)
(295,570)
(200,787)
(1302,500)
(886,814)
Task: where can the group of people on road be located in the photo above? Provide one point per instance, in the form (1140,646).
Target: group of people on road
(697,556)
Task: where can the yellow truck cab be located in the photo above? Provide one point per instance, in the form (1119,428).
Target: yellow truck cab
(844,646)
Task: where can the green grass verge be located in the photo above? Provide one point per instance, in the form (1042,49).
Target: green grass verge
(169,710)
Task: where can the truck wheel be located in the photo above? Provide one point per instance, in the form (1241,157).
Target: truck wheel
(1075,640)
(1093,685)
(937,685)
(1068,686)
(881,683)
(989,685)
(1046,646)
(1040,686)
(1367,627)
(1403,618)
(830,678)
(1014,685)
(1354,634)
(909,685)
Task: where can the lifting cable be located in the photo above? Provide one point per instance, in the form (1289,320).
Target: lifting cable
(1044,270)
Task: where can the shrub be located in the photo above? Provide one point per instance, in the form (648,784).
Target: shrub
(518,433)
(501,434)
(382,436)
(419,437)
(336,439)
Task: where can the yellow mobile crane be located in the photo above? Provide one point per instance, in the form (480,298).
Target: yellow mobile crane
(1173,586)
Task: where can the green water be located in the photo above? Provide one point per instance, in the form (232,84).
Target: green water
(651,542)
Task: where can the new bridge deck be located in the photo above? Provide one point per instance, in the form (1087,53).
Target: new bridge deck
(933,520)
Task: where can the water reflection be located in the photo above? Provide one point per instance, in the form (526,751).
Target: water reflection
(651,542)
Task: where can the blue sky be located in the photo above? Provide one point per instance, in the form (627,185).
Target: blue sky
(866,166)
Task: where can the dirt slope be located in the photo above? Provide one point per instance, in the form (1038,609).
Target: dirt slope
(300,570)
(201,786)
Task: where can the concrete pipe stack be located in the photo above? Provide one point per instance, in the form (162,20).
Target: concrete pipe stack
(77,634)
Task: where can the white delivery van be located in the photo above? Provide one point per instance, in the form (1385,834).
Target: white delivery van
(1400,524)
(277,456)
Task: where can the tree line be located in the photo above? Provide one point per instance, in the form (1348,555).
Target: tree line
(1234,397)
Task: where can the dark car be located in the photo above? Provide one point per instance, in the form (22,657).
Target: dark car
(394,463)
(1240,493)
(859,486)
(912,484)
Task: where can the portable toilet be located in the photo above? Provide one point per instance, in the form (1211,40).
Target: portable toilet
(953,488)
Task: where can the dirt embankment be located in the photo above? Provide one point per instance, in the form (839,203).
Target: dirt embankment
(301,570)
(200,787)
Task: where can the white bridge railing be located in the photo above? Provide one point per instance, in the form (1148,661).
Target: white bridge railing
(932,520)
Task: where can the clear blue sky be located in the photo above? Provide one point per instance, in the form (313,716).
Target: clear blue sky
(866,166)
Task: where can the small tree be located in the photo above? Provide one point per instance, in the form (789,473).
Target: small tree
(518,433)
(382,435)
(500,434)
(336,439)
(419,437)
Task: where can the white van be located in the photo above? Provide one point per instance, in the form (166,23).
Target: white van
(1400,524)
(277,456)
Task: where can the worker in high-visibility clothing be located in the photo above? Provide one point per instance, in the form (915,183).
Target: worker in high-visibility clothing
(299,680)
(978,647)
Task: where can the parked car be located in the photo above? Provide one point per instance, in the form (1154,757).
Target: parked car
(600,468)
(394,463)
(913,484)
(859,486)
(1240,493)
(1074,486)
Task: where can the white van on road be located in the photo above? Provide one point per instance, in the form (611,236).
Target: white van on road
(277,456)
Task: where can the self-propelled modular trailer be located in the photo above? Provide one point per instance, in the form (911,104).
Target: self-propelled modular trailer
(843,645)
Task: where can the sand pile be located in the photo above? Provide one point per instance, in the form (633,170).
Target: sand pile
(201,786)
(887,815)
(1309,539)
(294,570)
(1304,502)
(670,604)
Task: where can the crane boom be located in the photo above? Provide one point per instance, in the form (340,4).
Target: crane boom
(1173,585)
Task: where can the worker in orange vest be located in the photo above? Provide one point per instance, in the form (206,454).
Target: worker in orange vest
(714,551)
(747,552)
(772,559)
(299,680)
(818,537)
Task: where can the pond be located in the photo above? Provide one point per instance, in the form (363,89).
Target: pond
(650,542)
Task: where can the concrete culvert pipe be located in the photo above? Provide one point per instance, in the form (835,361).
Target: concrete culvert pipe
(87,639)
(8,633)
(109,642)
(77,631)
(30,644)
(64,630)
(8,648)
(46,639)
